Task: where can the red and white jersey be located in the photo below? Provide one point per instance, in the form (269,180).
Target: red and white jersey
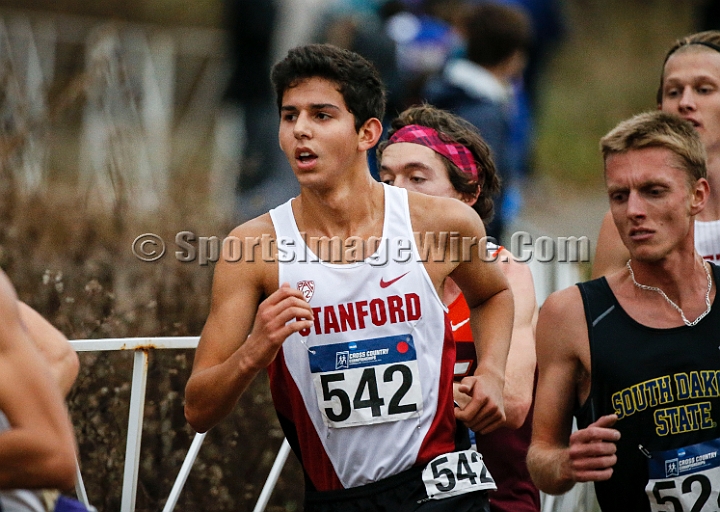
(459,314)
(366,392)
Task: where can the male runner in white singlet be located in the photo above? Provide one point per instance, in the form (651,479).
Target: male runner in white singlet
(344,310)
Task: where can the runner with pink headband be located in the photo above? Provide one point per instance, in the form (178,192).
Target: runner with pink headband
(426,136)
(468,174)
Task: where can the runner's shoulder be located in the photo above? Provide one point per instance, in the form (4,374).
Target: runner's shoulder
(256,227)
(430,213)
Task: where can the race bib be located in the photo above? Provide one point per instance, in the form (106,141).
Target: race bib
(686,479)
(456,473)
(368,381)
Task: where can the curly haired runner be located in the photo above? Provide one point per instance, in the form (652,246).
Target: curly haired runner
(432,151)
(358,350)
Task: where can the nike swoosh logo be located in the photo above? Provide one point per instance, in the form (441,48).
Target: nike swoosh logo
(455,327)
(385,284)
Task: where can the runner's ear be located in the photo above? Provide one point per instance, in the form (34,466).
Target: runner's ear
(470,199)
(369,134)
(700,194)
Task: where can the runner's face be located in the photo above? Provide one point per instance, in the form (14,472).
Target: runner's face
(650,201)
(417,168)
(317,131)
(691,89)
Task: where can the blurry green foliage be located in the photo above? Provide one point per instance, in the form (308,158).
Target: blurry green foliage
(606,69)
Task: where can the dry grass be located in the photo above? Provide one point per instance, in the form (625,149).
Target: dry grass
(78,271)
(606,70)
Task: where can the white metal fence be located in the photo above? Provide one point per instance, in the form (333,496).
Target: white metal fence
(141,348)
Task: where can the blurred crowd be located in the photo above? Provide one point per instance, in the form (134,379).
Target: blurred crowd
(480,59)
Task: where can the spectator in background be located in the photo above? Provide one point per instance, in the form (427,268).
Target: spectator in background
(249,122)
(479,88)
(358,25)
(424,44)
(549,28)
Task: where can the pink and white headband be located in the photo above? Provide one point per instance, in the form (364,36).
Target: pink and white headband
(428,137)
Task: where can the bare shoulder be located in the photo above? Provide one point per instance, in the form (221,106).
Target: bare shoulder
(256,265)
(561,324)
(515,269)
(562,304)
(258,226)
(7,291)
(430,213)
(610,253)
(12,334)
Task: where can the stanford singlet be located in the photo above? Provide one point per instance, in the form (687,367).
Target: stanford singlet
(366,393)
(663,384)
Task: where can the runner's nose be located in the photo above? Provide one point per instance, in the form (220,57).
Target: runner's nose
(302,126)
(687,100)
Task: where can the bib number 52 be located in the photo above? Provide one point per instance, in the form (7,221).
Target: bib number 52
(695,491)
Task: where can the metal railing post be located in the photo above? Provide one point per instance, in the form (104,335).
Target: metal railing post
(183,474)
(272,478)
(135,423)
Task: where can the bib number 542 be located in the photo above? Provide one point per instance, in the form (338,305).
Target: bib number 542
(370,395)
(456,473)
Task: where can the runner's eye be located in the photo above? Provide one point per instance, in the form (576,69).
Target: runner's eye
(386,178)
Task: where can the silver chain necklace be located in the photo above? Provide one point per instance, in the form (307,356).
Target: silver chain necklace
(656,289)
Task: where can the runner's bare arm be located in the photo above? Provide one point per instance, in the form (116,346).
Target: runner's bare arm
(242,335)
(556,458)
(53,345)
(39,449)
(521,361)
(488,294)
(610,253)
